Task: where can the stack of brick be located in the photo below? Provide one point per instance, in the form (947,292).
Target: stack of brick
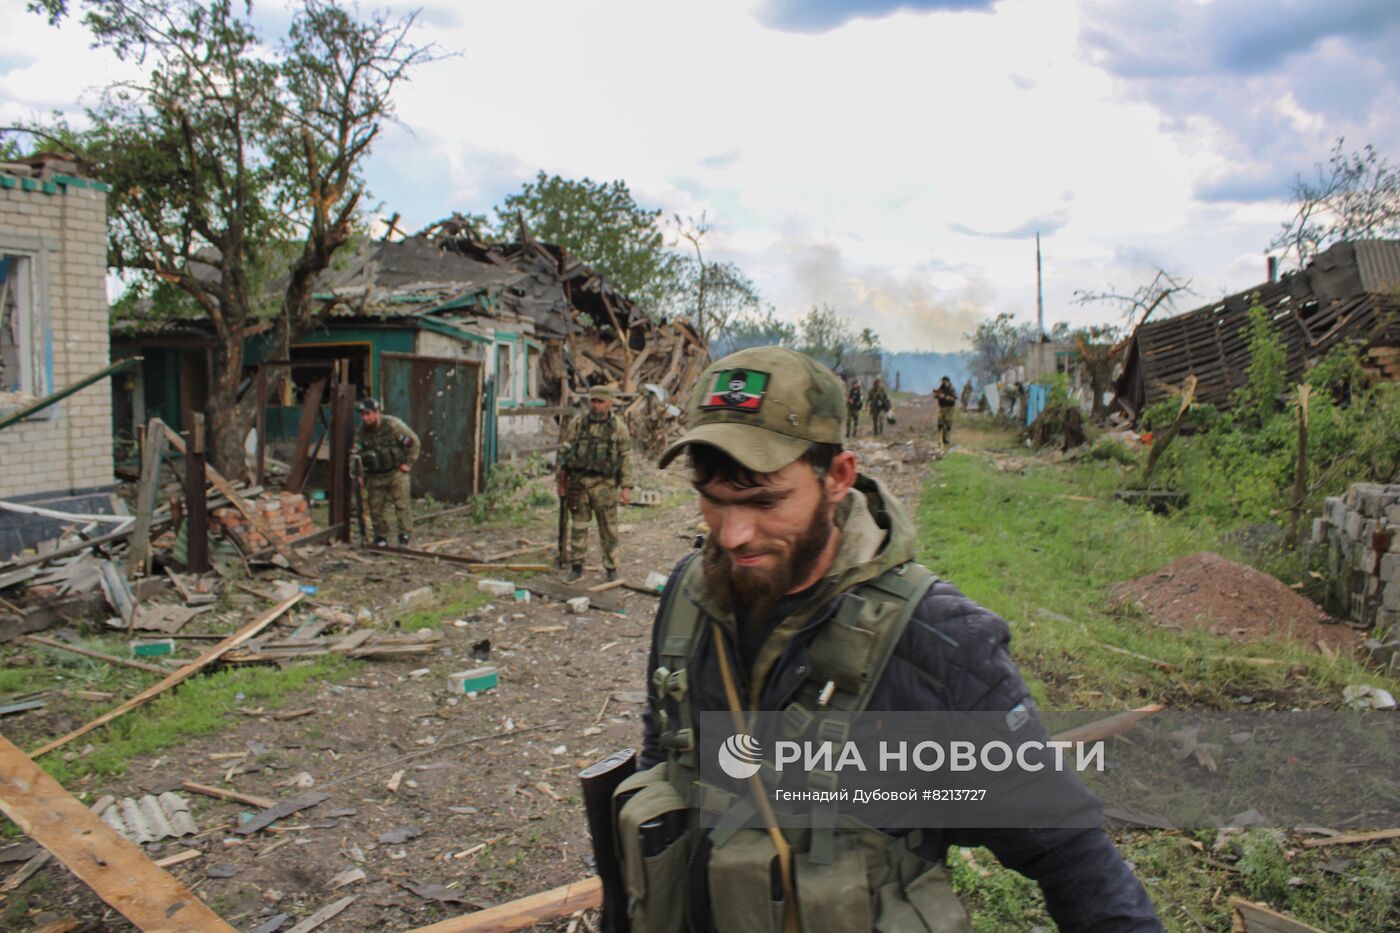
(296,516)
(232,520)
(1359,536)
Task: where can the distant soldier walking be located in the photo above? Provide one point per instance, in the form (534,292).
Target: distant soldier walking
(853,403)
(595,469)
(967,395)
(947,398)
(879,404)
(387,449)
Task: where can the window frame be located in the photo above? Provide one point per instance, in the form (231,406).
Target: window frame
(36,325)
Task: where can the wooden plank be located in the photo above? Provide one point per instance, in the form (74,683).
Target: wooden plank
(196,501)
(301,455)
(1349,839)
(609,602)
(238,502)
(98,655)
(138,560)
(1258,918)
(352,641)
(114,868)
(184,673)
(30,868)
(549,905)
(610,585)
(322,915)
(1109,726)
(252,800)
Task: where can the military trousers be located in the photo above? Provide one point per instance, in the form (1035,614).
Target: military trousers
(852,422)
(586,497)
(383,488)
(878,416)
(945,422)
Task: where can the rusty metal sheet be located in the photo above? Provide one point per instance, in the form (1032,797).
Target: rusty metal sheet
(440,399)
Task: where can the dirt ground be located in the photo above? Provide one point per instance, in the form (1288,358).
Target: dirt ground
(484,804)
(1205,590)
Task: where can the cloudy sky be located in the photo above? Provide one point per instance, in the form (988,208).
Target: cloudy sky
(892,158)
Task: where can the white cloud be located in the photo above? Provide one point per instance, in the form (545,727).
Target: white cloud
(864,165)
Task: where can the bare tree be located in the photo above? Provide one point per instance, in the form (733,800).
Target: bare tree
(1355,196)
(715,295)
(1138,305)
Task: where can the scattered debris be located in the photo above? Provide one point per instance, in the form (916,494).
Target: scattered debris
(1368,697)
(399,836)
(262,803)
(322,915)
(476,680)
(273,814)
(151,818)
(348,877)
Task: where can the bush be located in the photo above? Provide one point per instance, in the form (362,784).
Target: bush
(1117,451)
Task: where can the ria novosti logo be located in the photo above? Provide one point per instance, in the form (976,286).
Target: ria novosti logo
(740,756)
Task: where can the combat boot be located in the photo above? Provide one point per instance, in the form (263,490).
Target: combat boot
(381,541)
(575,574)
(403,539)
(612,574)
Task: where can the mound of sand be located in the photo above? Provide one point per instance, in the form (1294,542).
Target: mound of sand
(1204,590)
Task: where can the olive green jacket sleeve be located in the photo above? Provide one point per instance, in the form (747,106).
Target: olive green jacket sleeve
(406,436)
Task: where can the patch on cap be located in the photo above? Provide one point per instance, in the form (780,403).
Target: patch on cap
(737,390)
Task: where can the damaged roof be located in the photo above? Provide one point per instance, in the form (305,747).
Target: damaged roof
(1351,291)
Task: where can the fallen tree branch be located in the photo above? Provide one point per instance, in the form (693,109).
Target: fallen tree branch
(527,911)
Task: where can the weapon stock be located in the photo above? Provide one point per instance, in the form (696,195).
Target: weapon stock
(599,780)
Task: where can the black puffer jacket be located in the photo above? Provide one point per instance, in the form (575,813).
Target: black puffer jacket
(952,656)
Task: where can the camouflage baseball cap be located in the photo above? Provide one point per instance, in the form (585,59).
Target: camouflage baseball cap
(602,392)
(764,407)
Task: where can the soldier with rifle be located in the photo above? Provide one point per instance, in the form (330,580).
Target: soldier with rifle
(387,449)
(595,472)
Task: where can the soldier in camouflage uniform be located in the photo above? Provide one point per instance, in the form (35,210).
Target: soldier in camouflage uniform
(879,404)
(387,449)
(595,469)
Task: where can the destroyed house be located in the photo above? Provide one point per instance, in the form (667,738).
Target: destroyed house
(479,347)
(53,335)
(1349,292)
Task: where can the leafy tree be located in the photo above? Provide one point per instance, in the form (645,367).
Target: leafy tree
(714,295)
(601,224)
(1095,348)
(867,339)
(1355,196)
(825,334)
(234,163)
(1258,398)
(754,329)
(996,346)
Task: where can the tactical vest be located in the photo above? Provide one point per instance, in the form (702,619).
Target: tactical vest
(848,876)
(594,452)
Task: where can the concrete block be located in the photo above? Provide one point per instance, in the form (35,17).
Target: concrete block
(1333,509)
(1390,596)
(1390,567)
(1366,560)
(1319,530)
(1351,524)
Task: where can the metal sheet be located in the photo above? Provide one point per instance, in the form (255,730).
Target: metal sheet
(441,400)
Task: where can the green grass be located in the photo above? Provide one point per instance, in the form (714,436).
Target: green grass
(452,600)
(1013,541)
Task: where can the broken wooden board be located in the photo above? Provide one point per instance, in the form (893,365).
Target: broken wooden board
(548,905)
(322,915)
(363,643)
(608,601)
(262,803)
(164,618)
(189,670)
(116,870)
(1109,726)
(31,867)
(97,655)
(1351,839)
(1249,917)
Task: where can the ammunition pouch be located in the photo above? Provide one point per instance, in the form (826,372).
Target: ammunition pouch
(378,461)
(652,842)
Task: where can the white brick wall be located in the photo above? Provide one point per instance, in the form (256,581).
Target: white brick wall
(72,448)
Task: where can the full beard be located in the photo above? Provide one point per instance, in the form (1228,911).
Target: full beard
(752,592)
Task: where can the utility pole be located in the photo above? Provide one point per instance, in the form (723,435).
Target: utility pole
(1039,295)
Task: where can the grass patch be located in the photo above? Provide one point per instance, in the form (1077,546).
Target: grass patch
(1040,543)
(451,600)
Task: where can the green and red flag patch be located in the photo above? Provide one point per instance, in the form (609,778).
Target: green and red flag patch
(737,389)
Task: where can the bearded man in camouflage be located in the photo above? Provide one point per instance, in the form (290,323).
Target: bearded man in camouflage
(595,472)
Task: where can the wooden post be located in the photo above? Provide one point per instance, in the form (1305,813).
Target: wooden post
(138,561)
(196,507)
(301,457)
(260,393)
(342,436)
(1300,477)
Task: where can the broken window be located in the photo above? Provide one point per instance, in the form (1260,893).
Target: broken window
(505,387)
(23,336)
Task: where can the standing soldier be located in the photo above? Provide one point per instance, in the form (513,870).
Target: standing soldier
(967,395)
(879,404)
(947,398)
(853,403)
(387,450)
(595,464)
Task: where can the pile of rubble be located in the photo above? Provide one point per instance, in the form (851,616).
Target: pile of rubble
(1358,538)
(286,516)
